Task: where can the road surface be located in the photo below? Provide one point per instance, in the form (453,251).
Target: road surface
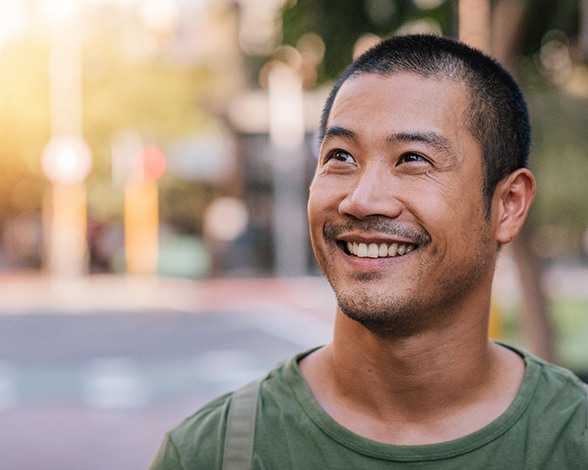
(93,372)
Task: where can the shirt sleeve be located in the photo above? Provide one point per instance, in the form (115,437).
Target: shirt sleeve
(168,457)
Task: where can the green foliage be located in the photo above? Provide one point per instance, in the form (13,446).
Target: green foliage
(340,23)
(570,322)
(24,120)
(542,16)
(159,100)
(560,163)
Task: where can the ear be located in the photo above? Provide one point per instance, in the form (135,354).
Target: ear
(512,200)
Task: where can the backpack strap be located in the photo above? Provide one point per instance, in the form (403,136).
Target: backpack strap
(586,390)
(240,431)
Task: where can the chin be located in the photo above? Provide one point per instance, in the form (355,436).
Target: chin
(388,316)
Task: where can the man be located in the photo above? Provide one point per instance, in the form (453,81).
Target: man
(421,179)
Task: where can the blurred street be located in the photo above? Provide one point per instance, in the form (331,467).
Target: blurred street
(93,372)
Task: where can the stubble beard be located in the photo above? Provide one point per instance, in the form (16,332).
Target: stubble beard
(385,315)
(405,314)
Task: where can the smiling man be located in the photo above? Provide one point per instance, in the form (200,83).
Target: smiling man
(421,179)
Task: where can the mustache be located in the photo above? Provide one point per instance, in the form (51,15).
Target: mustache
(416,235)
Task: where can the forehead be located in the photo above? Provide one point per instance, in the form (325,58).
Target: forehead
(409,95)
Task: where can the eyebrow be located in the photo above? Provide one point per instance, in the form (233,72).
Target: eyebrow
(431,138)
(337,131)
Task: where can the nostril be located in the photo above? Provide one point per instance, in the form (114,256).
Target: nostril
(368,199)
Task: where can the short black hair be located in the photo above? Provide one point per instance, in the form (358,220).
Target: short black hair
(497,115)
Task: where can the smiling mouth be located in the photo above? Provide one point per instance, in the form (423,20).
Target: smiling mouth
(377,250)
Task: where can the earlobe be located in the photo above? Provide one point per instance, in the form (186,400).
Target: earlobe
(513,197)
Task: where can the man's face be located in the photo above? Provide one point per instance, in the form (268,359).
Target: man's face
(396,210)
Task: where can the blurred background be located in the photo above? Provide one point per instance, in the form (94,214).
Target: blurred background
(154,163)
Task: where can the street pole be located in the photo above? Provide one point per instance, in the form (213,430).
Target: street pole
(474,23)
(287,138)
(66,158)
(142,212)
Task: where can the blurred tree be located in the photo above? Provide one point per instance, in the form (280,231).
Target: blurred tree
(158,99)
(129,84)
(341,24)
(23,123)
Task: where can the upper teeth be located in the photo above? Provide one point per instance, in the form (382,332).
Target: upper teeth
(379,250)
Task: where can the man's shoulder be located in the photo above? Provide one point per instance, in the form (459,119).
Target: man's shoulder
(556,378)
(203,432)
(554,395)
(194,442)
(209,418)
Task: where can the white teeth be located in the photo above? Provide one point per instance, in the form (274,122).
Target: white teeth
(362,250)
(393,249)
(382,250)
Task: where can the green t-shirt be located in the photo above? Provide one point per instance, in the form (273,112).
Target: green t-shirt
(545,427)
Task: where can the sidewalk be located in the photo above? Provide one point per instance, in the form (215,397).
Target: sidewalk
(38,293)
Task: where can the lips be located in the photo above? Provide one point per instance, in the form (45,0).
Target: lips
(378,250)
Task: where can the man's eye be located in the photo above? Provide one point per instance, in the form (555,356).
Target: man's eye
(412,157)
(342,156)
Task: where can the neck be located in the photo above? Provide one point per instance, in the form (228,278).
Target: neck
(430,387)
(429,359)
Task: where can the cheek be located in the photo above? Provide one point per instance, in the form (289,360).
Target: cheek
(322,198)
(450,216)
(458,198)
(316,209)
(316,221)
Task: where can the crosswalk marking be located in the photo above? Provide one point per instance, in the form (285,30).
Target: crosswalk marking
(112,383)
(8,391)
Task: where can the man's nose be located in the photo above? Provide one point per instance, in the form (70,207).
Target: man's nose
(373,193)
